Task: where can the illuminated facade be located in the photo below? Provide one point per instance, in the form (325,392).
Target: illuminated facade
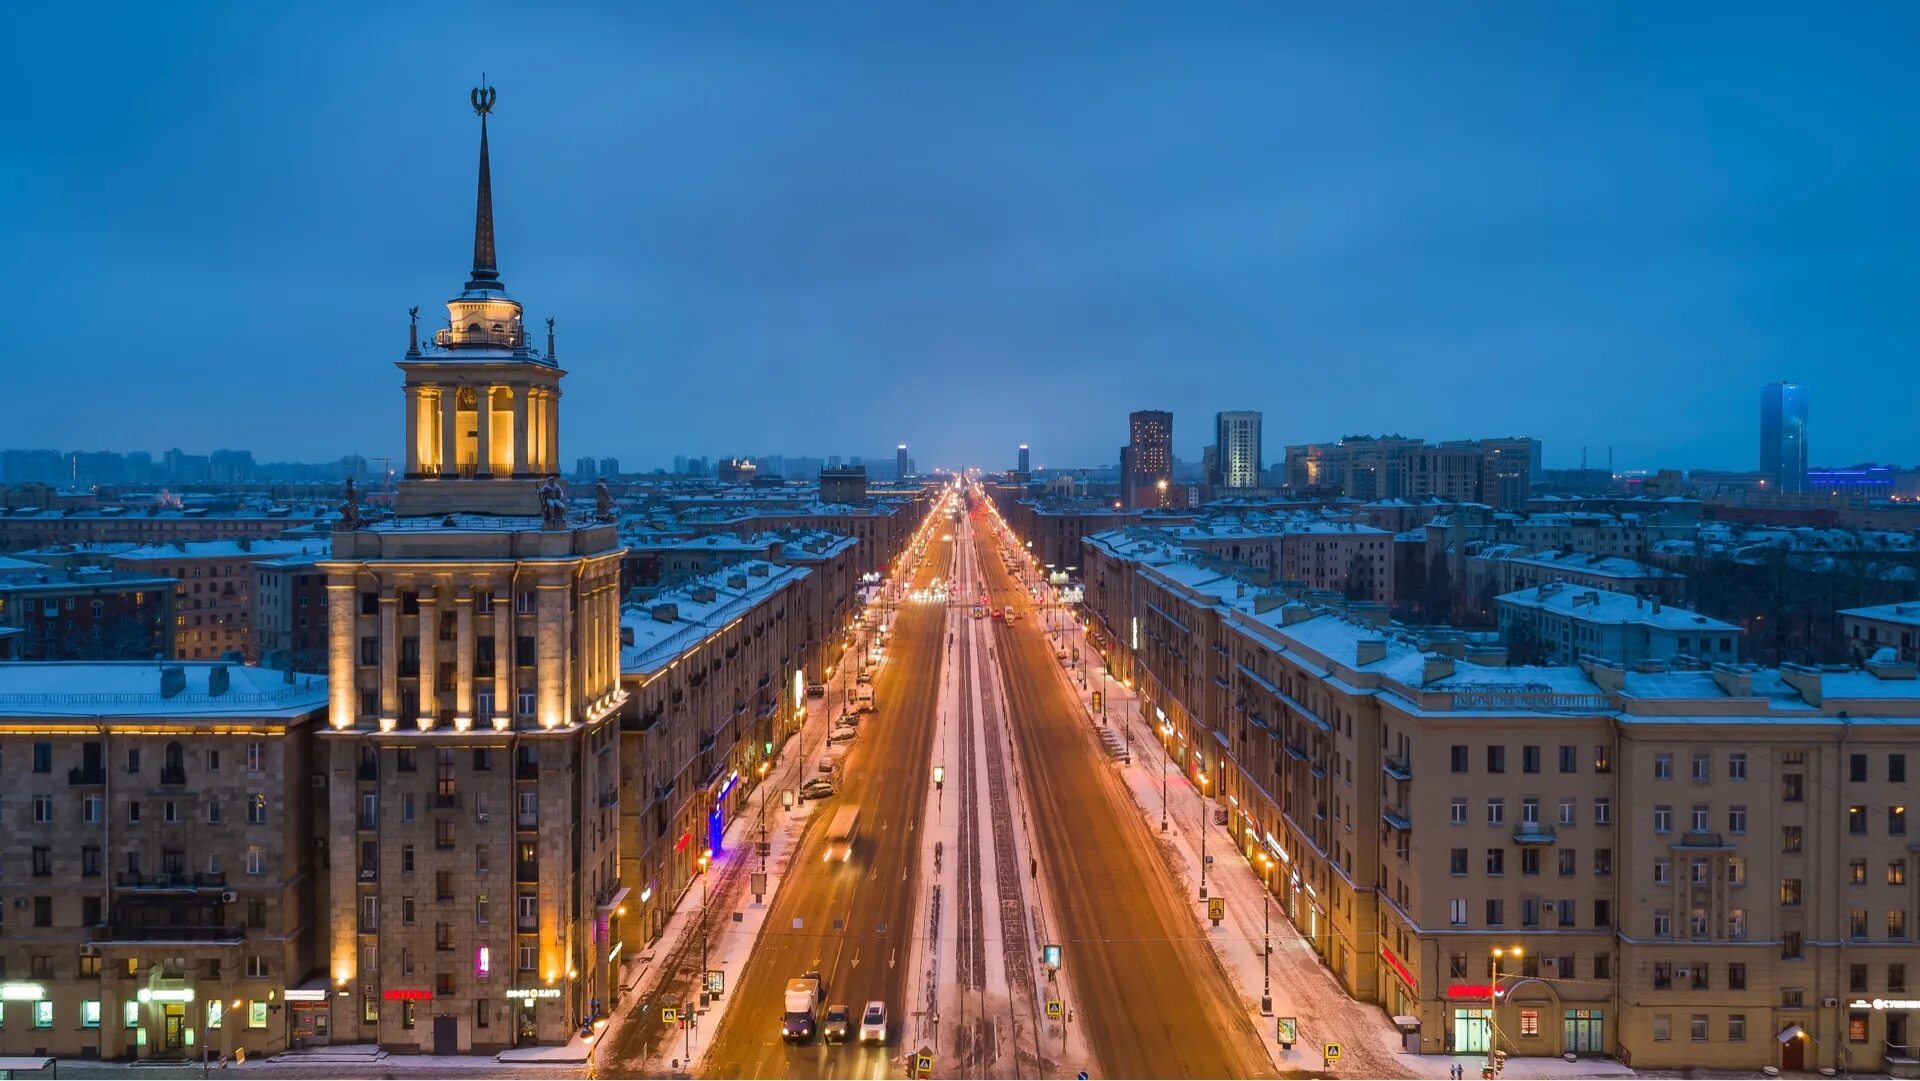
(159,846)
(474,677)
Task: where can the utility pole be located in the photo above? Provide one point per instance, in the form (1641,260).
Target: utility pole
(1204,824)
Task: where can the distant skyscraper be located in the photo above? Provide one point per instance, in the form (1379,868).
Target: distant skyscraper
(609,467)
(584,469)
(1783,435)
(1237,435)
(1024,468)
(1150,463)
(900,468)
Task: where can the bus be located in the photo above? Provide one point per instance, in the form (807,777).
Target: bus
(840,834)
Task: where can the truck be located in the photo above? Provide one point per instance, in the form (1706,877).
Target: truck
(802,1002)
(863,699)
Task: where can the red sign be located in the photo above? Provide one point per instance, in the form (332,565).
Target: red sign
(1412,984)
(1479,991)
(681,845)
(407,994)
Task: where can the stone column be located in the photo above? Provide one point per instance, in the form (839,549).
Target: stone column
(343,706)
(520,431)
(389,654)
(413,430)
(449,425)
(502,652)
(550,428)
(550,647)
(429,653)
(463,680)
(484,400)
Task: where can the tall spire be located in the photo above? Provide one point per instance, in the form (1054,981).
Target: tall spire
(486,268)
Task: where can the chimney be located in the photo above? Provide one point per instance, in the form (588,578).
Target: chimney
(666,613)
(173,680)
(1295,613)
(1886,664)
(1609,676)
(736,581)
(1437,666)
(219,678)
(1267,602)
(626,636)
(1368,650)
(1656,603)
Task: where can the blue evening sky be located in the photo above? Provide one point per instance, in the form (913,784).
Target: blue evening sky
(803,228)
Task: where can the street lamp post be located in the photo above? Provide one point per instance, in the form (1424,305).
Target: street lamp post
(705,959)
(1493,1004)
(763,816)
(1166,757)
(1202,788)
(1266,934)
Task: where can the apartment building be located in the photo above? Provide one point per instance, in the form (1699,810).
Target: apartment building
(1560,624)
(84,613)
(714,682)
(158,840)
(290,611)
(471,749)
(28,527)
(213,596)
(1700,868)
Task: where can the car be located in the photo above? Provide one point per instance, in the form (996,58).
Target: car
(826,764)
(816,690)
(837,1024)
(841,735)
(817,788)
(873,1023)
(848,720)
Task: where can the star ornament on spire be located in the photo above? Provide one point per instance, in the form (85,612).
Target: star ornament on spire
(482,97)
(486,265)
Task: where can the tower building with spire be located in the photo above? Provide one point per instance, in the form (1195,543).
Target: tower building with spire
(472,894)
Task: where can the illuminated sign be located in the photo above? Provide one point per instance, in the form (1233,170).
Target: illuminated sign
(407,994)
(1388,955)
(1885,1004)
(22,992)
(184,994)
(534,992)
(306,994)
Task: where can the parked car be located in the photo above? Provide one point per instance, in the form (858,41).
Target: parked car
(847,720)
(817,788)
(873,1023)
(816,690)
(836,1027)
(826,764)
(841,735)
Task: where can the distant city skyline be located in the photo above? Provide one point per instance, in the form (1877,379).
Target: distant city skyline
(1459,235)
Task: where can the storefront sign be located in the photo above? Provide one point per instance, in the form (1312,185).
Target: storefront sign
(306,994)
(1387,954)
(1277,850)
(1885,1004)
(22,992)
(407,994)
(1480,991)
(184,994)
(534,992)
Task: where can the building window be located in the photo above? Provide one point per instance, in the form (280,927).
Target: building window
(1602,811)
(1792,787)
(1662,871)
(43,1015)
(1569,758)
(1737,976)
(1700,767)
(1897,768)
(1457,812)
(1790,838)
(1737,766)
(1789,891)
(1530,759)
(1896,872)
(1457,756)
(1496,811)
(1737,819)
(1663,766)
(256,860)
(1697,1028)
(1662,819)
(1701,823)
(1896,923)
(1662,923)
(1856,819)
(1896,820)
(1662,1027)
(1496,759)
(1496,861)
(1529,1023)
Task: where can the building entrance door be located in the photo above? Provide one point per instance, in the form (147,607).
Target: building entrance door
(1470,1031)
(446,1034)
(173,1031)
(1793,1053)
(1585,1032)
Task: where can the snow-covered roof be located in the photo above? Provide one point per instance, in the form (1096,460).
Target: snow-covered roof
(700,608)
(1907,613)
(1612,606)
(133,689)
(264,548)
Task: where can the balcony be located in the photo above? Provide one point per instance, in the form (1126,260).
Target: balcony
(444,801)
(610,797)
(526,871)
(526,771)
(1708,842)
(173,775)
(1397,768)
(84,776)
(527,925)
(199,880)
(527,820)
(369,874)
(124,931)
(1534,833)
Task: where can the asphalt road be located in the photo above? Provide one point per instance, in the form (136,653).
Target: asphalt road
(855,921)
(1147,988)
